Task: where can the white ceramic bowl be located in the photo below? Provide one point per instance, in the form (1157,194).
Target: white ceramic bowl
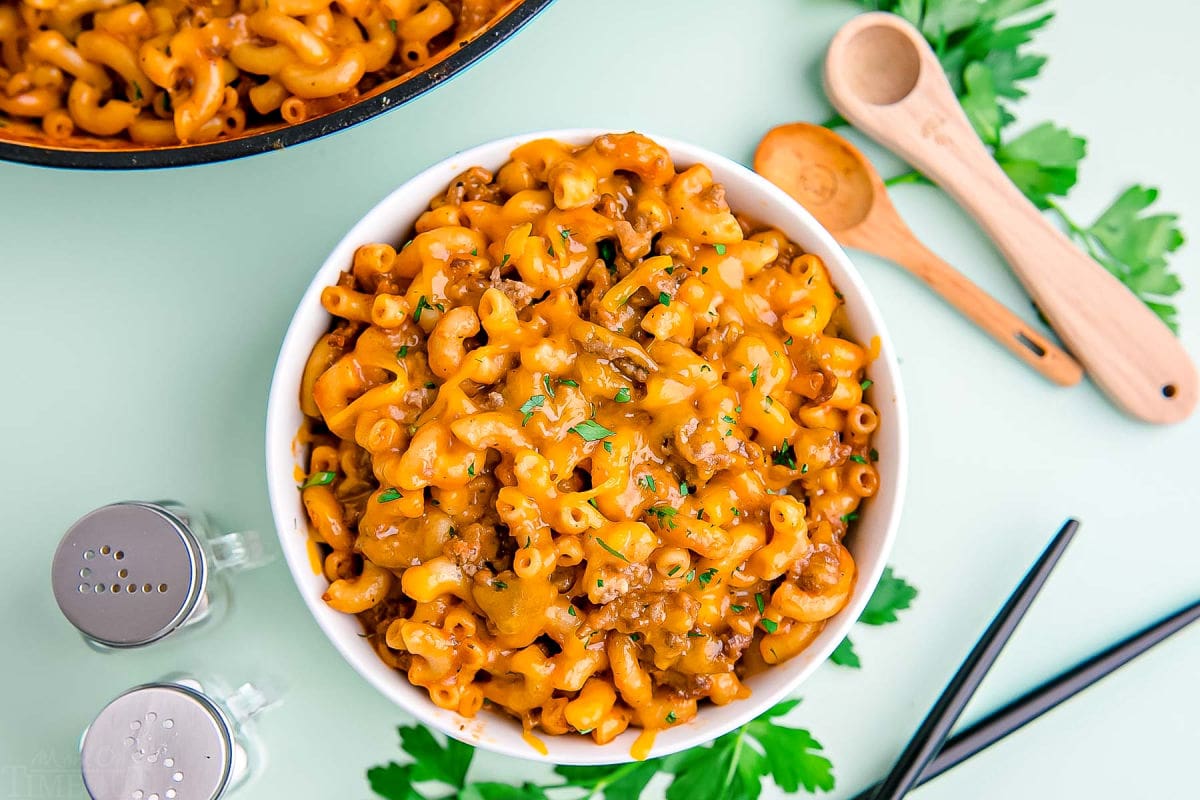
(870,541)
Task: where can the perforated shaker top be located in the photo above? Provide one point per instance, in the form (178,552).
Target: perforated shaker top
(128,574)
(158,742)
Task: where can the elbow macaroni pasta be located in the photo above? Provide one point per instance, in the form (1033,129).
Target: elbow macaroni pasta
(586,447)
(166,72)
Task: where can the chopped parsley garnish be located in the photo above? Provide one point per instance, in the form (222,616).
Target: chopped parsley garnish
(858,459)
(607,446)
(866,384)
(648,482)
(549,388)
(527,408)
(475,251)
(393,24)
(670,717)
(565,233)
(853,515)
(569,383)
(593,504)
(402,352)
(665,515)
(623,395)
(691,576)
(758,601)
(874,454)
(608,252)
(137,91)
(664,298)
(683,489)
(737,609)
(671,572)
(704,270)
(788,341)
(611,550)
(705,368)
(504,260)
(785,456)
(590,430)
(720,248)
(736,512)
(804,469)
(550,250)
(422,304)
(499,585)
(471,470)
(600,582)
(695,635)
(754,377)
(430,385)
(728,419)
(707,576)
(388,495)
(318,479)
(571,611)
(770,625)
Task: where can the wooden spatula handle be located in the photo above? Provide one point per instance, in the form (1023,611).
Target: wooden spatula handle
(882,76)
(987,312)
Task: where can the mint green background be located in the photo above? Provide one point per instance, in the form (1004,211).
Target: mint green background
(142,313)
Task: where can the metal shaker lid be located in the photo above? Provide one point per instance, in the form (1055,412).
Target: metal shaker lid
(128,574)
(162,741)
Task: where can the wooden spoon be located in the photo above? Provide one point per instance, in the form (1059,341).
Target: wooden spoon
(883,77)
(839,186)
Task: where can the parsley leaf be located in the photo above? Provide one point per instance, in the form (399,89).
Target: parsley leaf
(664,298)
(447,763)
(1043,162)
(624,782)
(527,408)
(665,515)
(844,655)
(319,479)
(785,456)
(720,248)
(549,387)
(891,595)
(388,495)
(734,766)
(590,430)
(1134,247)
(623,395)
(611,550)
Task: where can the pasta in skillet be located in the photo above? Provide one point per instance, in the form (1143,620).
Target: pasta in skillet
(586,447)
(165,72)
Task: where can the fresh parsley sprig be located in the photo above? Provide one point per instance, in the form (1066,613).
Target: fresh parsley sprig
(891,595)
(983,48)
(733,767)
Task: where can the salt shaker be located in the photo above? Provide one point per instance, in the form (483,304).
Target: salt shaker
(131,573)
(183,738)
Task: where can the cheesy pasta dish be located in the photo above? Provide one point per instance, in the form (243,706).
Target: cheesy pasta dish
(165,72)
(586,447)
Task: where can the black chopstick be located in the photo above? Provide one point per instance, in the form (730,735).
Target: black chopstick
(929,738)
(1034,703)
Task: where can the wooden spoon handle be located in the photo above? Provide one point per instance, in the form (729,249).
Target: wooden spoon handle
(883,77)
(985,311)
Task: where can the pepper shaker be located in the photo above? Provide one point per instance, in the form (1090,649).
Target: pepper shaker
(176,739)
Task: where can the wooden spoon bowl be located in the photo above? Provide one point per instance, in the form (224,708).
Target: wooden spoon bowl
(837,184)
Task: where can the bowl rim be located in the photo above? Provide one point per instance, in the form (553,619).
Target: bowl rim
(283,136)
(280,462)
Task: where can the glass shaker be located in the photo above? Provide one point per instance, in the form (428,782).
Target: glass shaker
(131,573)
(183,738)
